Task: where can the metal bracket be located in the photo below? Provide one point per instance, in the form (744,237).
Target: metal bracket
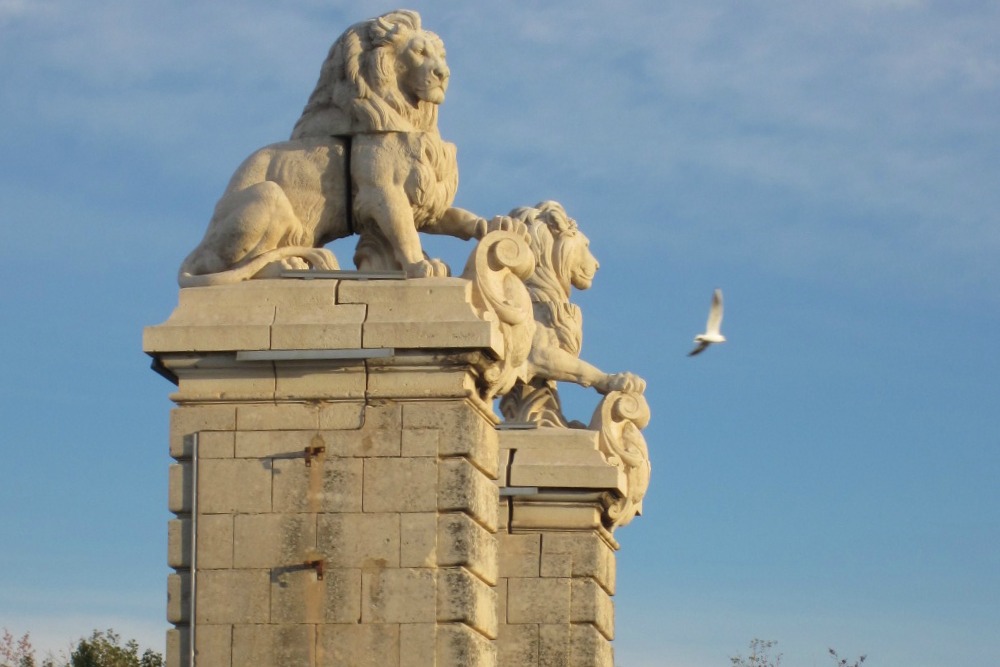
(311,452)
(317,565)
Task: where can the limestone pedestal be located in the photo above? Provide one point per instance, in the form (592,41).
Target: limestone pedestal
(557,563)
(344,498)
(339,468)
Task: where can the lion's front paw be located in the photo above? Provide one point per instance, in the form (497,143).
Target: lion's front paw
(626,382)
(428,268)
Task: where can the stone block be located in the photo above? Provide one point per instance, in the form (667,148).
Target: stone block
(179,597)
(520,555)
(463,487)
(285,645)
(400,485)
(299,596)
(215,379)
(179,543)
(341,415)
(465,598)
(420,442)
(273,540)
(503,515)
(416,644)
(205,338)
(590,556)
(398,595)
(215,541)
(358,645)
(418,539)
(565,467)
(554,516)
(226,486)
(277,416)
(310,380)
(179,481)
(397,381)
(214,645)
(458,645)
(178,647)
(328,485)
(538,600)
(590,648)
(189,420)
(233,596)
(555,646)
(591,604)
(306,327)
(390,292)
(359,540)
(216,444)
(463,542)
(517,645)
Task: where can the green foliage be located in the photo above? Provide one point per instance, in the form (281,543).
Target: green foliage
(759,655)
(104,649)
(101,649)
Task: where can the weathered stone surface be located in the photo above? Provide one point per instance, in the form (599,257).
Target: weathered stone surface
(358,645)
(517,645)
(463,487)
(188,420)
(359,540)
(289,645)
(273,540)
(215,541)
(464,597)
(591,604)
(538,600)
(464,430)
(179,492)
(458,645)
(299,596)
(179,597)
(238,485)
(590,556)
(327,485)
(418,539)
(233,596)
(398,595)
(520,555)
(277,416)
(589,648)
(554,646)
(462,541)
(417,643)
(400,484)
(295,380)
(214,645)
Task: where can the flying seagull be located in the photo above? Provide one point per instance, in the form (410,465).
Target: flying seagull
(712,334)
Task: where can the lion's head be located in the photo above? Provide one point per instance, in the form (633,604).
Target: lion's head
(382,75)
(562,252)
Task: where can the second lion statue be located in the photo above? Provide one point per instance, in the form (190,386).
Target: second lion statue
(364,158)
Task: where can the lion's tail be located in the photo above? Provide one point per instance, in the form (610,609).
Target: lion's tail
(317,258)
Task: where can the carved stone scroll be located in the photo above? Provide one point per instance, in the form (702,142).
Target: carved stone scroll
(619,419)
(497,269)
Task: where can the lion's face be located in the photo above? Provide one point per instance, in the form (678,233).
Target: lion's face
(583,265)
(422,69)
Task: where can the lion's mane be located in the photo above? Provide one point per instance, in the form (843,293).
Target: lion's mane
(553,237)
(358,91)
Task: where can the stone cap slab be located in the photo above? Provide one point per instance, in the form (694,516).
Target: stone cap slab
(557,458)
(283,314)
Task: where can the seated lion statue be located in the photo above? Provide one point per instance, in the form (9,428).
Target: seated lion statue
(562,260)
(364,158)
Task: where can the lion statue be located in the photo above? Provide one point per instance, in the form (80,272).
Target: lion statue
(562,260)
(364,158)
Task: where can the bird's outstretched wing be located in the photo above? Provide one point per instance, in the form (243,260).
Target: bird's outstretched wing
(715,314)
(702,346)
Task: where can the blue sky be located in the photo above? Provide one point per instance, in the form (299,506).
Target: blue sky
(826,478)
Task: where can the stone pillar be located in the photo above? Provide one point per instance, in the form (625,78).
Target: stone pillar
(557,563)
(345,466)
